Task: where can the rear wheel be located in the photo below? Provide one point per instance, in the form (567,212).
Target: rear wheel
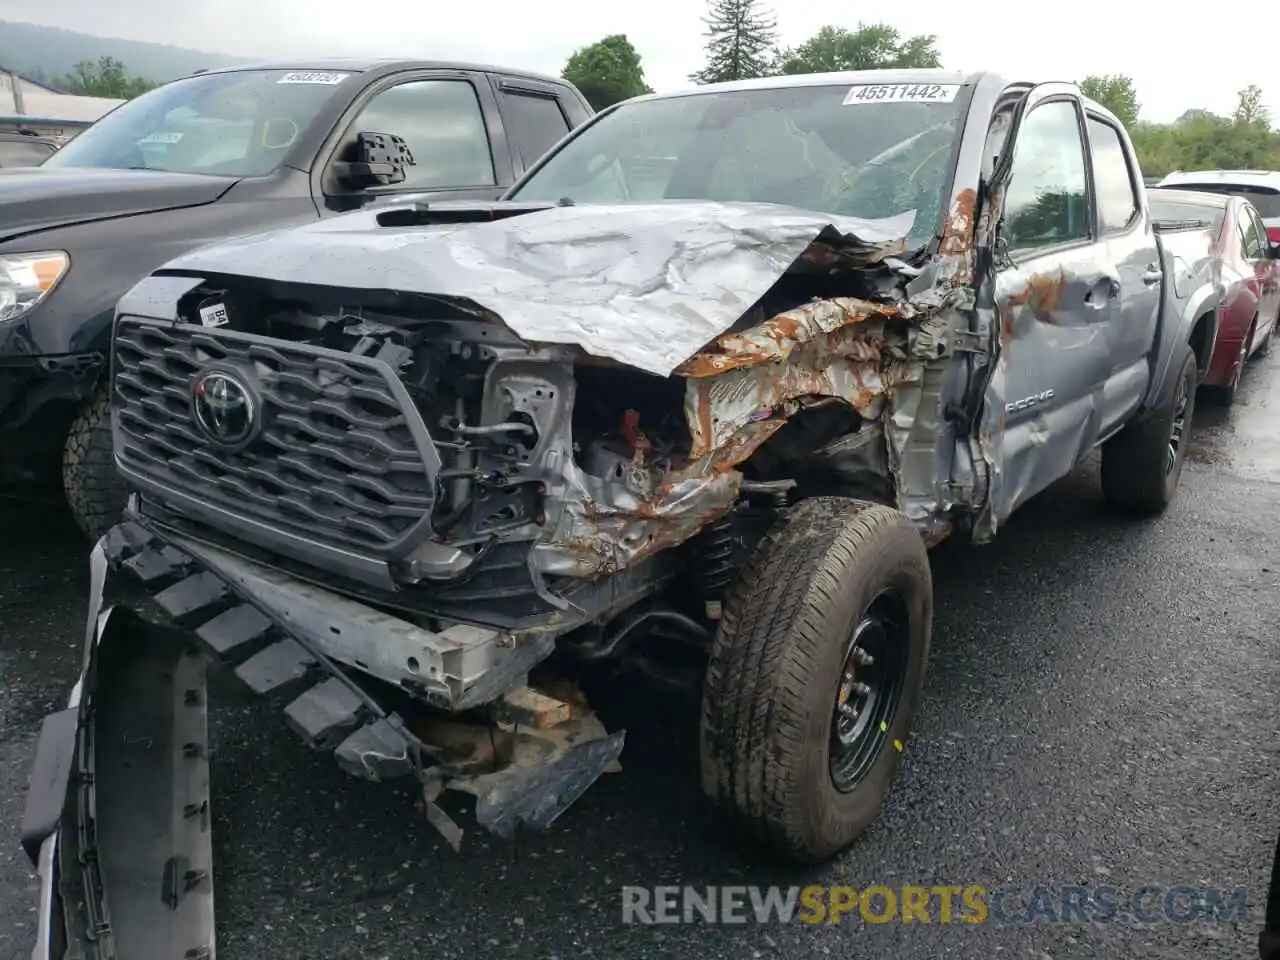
(815,675)
(94,491)
(1142,464)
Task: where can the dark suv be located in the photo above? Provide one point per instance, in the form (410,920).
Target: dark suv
(211,156)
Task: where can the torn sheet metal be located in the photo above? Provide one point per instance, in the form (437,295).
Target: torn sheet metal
(856,364)
(740,391)
(519,776)
(606,525)
(646,285)
(773,340)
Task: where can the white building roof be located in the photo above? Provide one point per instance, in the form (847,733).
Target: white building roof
(62,106)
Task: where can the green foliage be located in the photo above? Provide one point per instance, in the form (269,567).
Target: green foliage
(741,36)
(106,78)
(868,47)
(1249,109)
(1198,139)
(1205,142)
(607,71)
(1115,92)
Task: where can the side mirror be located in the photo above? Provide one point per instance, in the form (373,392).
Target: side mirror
(380,160)
(1274,250)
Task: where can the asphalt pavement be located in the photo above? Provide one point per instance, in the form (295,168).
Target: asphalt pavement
(1103,707)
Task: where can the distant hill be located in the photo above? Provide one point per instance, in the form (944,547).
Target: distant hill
(45,54)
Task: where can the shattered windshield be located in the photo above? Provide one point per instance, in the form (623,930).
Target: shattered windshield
(236,124)
(818,148)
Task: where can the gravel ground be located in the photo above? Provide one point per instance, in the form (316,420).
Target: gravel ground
(1101,709)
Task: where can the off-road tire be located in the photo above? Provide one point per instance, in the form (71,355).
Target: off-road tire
(93,489)
(1134,477)
(776,664)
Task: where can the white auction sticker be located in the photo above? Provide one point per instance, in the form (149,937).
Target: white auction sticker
(901,93)
(214,315)
(161,137)
(326,77)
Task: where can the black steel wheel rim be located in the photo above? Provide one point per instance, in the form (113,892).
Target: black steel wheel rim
(1178,430)
(872,679)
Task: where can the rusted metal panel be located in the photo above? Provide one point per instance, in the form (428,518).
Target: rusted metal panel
(957,228)
(597,536)
(773,340)
(739,393)
(839,365)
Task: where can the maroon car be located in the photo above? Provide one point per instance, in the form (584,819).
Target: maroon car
(1250,274)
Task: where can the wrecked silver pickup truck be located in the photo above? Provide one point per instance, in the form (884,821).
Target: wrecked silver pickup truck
(704,389)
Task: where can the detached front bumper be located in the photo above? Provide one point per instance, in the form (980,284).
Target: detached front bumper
(118,812)
(117,817)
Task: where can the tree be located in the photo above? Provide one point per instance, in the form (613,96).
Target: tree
(1115,92)
(607,71)
(106,78)
(869,47)
(740,41)
(1200,140)
(1250,111)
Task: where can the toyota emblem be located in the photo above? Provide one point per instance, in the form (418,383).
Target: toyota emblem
(224,408)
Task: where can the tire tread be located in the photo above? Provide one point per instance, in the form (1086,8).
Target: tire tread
(770,645)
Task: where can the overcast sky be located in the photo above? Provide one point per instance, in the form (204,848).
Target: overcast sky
(1177,60)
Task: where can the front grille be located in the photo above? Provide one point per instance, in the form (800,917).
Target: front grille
(343,458)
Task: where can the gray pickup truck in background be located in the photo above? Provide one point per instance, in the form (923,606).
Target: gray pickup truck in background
(219,154)
(695,399)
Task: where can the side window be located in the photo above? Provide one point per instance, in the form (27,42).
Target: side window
(1112,177)
(1047,201)
(443,125)
(535,122)
(1264,243)
(1254,246)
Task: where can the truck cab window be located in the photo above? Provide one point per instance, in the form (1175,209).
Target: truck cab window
(535,121)
(238,123)
(1047,200)
(1255,248)
(442,123)
(1112,179)
(803,147)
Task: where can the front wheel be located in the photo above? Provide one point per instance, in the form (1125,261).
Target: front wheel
(815,675)
(1141,465)
(94,491)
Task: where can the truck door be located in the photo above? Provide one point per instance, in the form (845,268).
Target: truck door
(450,122)
(1128,247)
(1056,297)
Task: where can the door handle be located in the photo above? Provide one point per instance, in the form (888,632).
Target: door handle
(1153,275)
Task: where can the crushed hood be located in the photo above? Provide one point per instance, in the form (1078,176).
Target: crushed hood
(644,284)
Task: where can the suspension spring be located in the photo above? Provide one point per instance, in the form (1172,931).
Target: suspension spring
(717,563)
